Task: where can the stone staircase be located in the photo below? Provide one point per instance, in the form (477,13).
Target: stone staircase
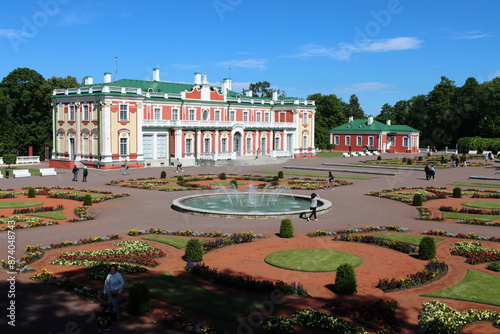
(245,161)
(79,164)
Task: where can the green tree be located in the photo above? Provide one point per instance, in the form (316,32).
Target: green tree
(63,83)
(489,125)
(7,140)
(263,89)
(440,113)
(353,108)
(329,114)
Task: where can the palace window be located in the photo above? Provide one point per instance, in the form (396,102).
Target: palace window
(232,116)
(71,116)
(192,114)
(189,145)
(258,117)
(217,115)
(205,115)
(348,140)
(161,146)
(123,112)
(305,118)
(336,140)
(123,146)
(157,114)
(359,141)
(147,147)
(245,116)
(223,145)
(175,114)
(266,117)
(371,142)
(85,112)
(207,145)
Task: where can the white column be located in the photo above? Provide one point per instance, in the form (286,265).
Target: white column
(216,144)
(199,138)
(105,135)
(139,139)
(178,143)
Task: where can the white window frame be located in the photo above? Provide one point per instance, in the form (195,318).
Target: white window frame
(359,140)
(189,145)
(85,116)
(232,115)
(71,113)
(266,117)
(192,115)
(371,141)
(205,115)
(157,113)
(347,140)
(161,146)
(259,114)
(148,152)
(217,116)
(123,112)
(123,146)
(175,114)
(336,140)
(223,145)
(406,142)
(207,145)
(245,116)
(305,118)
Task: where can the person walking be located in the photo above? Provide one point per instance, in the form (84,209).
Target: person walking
(313,207)
(113,286)
(75,173)
(179,166)
(464,160)
(125,168)
(84,174)
(331,180)
(432,173)
(427,170)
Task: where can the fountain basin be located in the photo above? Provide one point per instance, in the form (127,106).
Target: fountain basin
(266,206)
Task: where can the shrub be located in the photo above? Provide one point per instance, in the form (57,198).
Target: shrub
(138,302)
(222,176)
(180,178)
(163,175)
(87,200)
(235,183)
(417,200)
(379,157)
(409,162)
(420,158)
(286,229)
(345,281)
(443,159)
(280,174)
(404,159)
(194,251)
(31,193)
(276,179)
(457,192)
(427,249)
(495,266)
(9,159)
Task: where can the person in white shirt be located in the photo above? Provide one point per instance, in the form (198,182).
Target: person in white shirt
(313,206)
(113,286)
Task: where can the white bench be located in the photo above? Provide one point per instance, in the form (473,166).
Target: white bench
(376,153)
(47,171)
(361,154)
(472,152)
(1,176)
(21,173)
(354,154)
(345,155)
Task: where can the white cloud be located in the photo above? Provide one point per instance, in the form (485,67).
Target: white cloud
(344,51)
(258,64)
(473,34)
(12,33)
(364,87)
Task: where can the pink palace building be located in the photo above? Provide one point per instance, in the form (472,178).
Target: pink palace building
(151,123)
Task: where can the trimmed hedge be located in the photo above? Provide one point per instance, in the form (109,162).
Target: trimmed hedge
(286,229)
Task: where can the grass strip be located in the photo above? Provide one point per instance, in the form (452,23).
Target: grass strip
(480,185)
(286,172)
(178,243)
(409,239)
(482,204)
(475,287)
(223,306)
(18,204)
(483,218)
(56,215)
(311,260)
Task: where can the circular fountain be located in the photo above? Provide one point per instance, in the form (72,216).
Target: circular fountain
(231,203)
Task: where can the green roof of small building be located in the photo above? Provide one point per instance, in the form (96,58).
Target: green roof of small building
(362,125)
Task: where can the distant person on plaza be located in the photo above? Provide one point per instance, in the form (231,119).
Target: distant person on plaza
(179,166)
(490,156)
(313,207)
(427,170)
(75,173)
(125,168)
(432,173)
(331,180)
(113,286)
(463,159)
(453,160)
(84,174)
(485,157)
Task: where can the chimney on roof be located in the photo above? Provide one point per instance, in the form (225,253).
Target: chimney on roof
(388,122)
(229,84)
(370,120)
(107,77)
(249,93)
(197,78)
(88,80)
(275,95)
(351,119)
(205,79)
(156,74)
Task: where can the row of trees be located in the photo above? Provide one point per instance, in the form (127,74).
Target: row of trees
(25,110)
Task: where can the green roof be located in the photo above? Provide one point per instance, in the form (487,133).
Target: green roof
(362,125)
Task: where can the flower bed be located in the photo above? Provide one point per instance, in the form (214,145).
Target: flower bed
(179,322)
(379,317)
(370,228)
(437,318)
(474,252)
(33,253)
(472,211)
(424,213)
(369,239)
(133,251)
(476,221)
(189,233)
(30,222)
(432,271)
(81,212)
(471,235)
(243,283)
(46,277)
(38,209)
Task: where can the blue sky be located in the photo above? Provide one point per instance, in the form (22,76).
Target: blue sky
(382,51)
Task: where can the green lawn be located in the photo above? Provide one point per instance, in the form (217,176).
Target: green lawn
(409,239)
(315,175)
(18,204)
(483,204)
(11,174)
(178,243)
(224,306)
(480,185)
(329,154)
(476,287)
(226,183)
(55,215)
(484,218)
(314,260)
